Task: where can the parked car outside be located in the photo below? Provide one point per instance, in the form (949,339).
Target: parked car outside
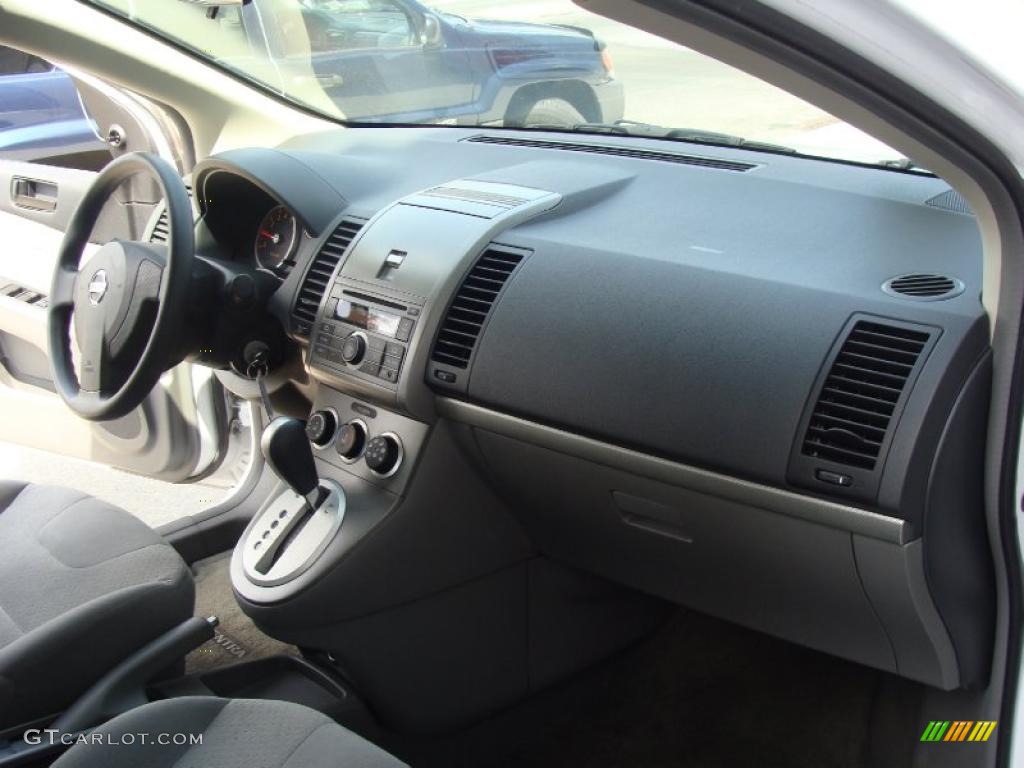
(382,61)
(400,61)
(41,114)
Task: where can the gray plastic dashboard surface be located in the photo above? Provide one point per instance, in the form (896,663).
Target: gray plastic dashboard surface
(693,305)
(782,502)
(692,362)
(668,327)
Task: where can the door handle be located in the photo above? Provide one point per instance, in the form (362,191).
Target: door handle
(33,194)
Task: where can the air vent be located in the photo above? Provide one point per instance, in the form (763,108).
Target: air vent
(319,275)
(472,303)
(858,402)
(950,200)
(618,151)
(477,196)
(161,230)
(924,287)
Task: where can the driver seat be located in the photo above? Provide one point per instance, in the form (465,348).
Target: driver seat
(82,585)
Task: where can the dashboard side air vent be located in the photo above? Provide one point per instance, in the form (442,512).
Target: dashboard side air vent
(319,274)
(469,310)
(161,230)
(950,200)
(618,151)
(858,402)
(924,287)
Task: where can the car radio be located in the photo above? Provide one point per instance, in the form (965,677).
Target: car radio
(363,335)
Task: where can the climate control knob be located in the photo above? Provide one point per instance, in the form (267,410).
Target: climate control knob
(320,428)
(351,440)
(354,349)
(383,454)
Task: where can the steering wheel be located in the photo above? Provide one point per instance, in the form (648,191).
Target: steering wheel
(128,301)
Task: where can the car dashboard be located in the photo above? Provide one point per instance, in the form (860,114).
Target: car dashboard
(750,383)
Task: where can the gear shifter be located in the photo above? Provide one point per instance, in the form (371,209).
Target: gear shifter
(286,448)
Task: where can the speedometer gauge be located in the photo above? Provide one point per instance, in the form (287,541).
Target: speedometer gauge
(276,238)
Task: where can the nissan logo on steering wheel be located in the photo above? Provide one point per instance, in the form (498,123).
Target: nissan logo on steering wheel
(98,287)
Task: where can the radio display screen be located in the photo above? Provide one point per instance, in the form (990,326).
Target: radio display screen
(368,318)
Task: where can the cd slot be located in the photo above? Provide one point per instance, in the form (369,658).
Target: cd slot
(375,299)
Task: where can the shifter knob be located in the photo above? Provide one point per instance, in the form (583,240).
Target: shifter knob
(286,448)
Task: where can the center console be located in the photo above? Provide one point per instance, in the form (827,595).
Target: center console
(364,336)
(363,457)
(381,306)
(368,348)
(397,563)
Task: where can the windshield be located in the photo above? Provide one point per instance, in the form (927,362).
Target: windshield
(547,64)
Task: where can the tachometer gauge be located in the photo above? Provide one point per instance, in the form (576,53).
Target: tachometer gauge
(276,238)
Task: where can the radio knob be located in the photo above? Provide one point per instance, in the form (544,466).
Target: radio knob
(320,428)
(351,438)
(383,454)
(354,349)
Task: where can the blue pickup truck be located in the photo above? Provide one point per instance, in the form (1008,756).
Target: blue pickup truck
(41,114)
(398,61)
(394,61)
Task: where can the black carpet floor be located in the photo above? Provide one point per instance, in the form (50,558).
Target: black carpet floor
(236,638)
(699,693)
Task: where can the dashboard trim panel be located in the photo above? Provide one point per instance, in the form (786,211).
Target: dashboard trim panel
(820,511)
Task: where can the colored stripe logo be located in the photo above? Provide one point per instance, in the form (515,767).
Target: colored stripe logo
(958,730)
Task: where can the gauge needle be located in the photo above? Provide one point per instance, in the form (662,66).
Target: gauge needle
(270,236)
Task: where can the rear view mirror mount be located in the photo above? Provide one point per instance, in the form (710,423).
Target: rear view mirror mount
(213,6)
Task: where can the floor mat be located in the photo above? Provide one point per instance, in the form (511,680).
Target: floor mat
(699,693)
(236,637)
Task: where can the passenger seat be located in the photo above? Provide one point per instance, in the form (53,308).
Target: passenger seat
(234,733)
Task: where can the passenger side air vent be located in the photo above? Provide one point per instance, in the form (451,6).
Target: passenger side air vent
(161,230)
(950,200)
(924,287)
(618,151)
(859,398)
(470,309)
(858,404)
(318,276)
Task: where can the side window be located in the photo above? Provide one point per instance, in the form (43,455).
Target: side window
(338,25)
(14,62)
(41,115)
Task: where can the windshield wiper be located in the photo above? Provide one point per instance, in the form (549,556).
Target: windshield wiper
(690,135)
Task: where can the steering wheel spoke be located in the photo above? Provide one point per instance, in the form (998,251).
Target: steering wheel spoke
(94,369)
(62,291)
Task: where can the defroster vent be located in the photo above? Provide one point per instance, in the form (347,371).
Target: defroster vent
(634,153)
(472,304)
(859,400)
(319,274)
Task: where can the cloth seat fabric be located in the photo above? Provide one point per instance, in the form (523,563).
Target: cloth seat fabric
(83,584)
(235,733)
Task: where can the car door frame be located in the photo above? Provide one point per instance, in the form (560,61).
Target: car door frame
(179,433)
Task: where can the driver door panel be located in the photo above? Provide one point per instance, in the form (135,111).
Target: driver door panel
(161,438)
